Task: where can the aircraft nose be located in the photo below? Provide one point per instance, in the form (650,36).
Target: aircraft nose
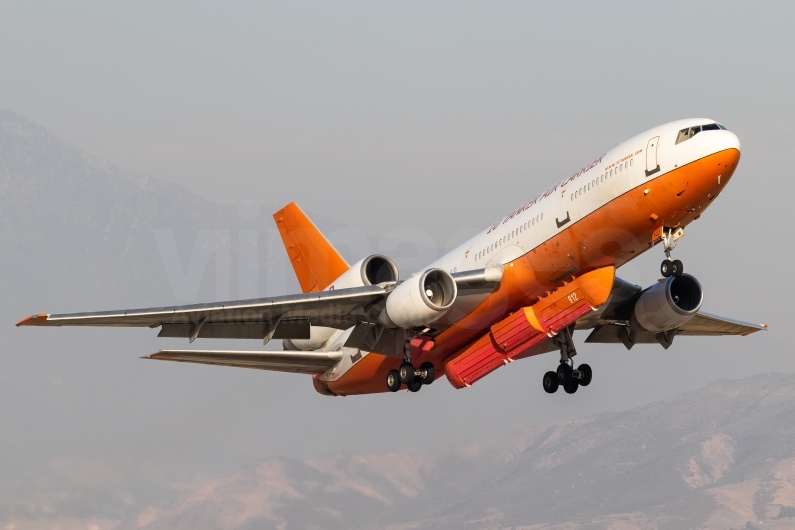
(730,141)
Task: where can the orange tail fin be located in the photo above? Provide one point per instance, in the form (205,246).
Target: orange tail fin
(315,261)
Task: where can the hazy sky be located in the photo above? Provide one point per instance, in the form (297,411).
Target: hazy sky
(388,114)
(441,117)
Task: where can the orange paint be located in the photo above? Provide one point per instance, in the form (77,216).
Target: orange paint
(609,237)
(33,320)
(513,337)
(315,261)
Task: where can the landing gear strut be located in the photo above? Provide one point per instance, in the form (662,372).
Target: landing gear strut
(566,376)
(668,267)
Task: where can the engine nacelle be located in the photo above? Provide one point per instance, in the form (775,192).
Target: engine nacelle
(371,270)
(419,300)
(669,303)
(318,338)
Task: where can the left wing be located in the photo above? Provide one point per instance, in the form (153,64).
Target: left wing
(262,318)
(279,361)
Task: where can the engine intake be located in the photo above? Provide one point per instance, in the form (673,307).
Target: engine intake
(371,270)
(669,303)
(419,300)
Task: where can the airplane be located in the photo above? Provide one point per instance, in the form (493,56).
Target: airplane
(519,288)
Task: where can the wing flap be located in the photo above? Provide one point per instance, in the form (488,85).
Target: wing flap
(278,361)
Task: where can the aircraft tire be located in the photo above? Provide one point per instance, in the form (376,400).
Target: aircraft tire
(666,268)
(677,269)
(393,380)
(586,374)
(415,385)
(564,373)
(429,371)
(406,372)
(571,386)
(551,382)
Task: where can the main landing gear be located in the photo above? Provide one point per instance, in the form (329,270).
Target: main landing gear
(668,267)
(408,375)
(566,376)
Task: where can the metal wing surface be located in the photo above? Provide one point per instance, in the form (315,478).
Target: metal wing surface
(279,317)
(706,324)
(278,361)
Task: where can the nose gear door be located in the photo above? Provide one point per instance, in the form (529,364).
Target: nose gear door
(652,166)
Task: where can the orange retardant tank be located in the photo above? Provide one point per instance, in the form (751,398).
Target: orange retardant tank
(514,336)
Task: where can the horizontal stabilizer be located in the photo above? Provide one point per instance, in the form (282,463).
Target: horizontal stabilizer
(277,361)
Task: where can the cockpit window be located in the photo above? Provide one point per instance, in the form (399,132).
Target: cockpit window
(686,134)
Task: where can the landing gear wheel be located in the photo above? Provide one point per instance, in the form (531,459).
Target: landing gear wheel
(666,268)
(393,380)
(415,385)
(571,386)
(585,374)
(406,373)
(564,373)
(677,269)
(428,373)
(551,382)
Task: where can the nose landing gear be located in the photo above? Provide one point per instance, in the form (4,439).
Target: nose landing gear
(668,267)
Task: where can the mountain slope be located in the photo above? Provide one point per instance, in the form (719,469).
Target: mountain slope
(719,457)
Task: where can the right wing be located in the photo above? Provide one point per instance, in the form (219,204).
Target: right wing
(609,322)
(278,361)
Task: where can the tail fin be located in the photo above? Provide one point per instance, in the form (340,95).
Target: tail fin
(315,261)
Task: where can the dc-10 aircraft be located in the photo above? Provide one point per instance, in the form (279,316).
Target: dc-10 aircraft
(519,288)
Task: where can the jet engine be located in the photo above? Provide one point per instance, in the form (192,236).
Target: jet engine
(371,270)
(419,300)
(668,304)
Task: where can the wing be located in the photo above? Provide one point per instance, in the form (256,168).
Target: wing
(263,318)
(707,324)
(279,361)
(610,320)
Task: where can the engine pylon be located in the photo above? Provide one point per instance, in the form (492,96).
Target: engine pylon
(514,337)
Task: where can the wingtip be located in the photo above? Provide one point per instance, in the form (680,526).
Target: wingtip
(160,355)
(34,320)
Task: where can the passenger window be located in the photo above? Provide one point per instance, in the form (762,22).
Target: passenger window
(542,216)
(533,221)
(631,160)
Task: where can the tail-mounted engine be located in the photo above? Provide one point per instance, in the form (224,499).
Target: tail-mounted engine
(371,270)
(419,300)
(668,304)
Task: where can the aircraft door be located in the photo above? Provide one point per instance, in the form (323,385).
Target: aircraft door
(652,166)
